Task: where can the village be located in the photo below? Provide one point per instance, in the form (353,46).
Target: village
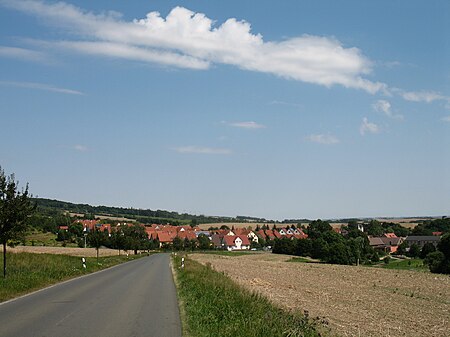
(241,239)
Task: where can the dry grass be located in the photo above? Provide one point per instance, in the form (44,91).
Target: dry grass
(358,301)
(84,252)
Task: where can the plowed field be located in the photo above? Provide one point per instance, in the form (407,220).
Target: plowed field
(357,301)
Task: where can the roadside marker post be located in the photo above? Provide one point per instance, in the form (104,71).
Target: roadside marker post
(83,260)
(182,262)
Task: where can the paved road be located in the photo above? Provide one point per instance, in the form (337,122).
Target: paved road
(134,299)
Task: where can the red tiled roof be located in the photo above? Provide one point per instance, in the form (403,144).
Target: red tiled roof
(277,234)
(390,235)
(190,235)
(229,240)
(164,237)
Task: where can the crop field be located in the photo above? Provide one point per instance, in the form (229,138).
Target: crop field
(357,301)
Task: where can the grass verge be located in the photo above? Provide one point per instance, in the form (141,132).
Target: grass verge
(27,272)
(213,305)
(408,264)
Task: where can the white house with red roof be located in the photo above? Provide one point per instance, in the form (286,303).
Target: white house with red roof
(236,242)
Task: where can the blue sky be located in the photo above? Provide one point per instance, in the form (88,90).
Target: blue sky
(279,110)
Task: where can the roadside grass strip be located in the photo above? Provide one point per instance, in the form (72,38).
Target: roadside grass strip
(213,305)
(27,272)
(407,264)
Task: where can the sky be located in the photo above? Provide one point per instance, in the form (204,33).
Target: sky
(282,110)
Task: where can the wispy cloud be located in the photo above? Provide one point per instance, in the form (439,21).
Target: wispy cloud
(446,119)
(247,125)
(202,150)
(367,127)
(385,107)
(421,96)
(323,139)
(23,54)
(275,102)
(80,148)
(41,86)
(192,40)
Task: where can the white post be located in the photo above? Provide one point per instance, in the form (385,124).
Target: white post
(182,262)
(83,260)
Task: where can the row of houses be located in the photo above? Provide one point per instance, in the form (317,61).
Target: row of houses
(389,242)
(242,238)
(234,239)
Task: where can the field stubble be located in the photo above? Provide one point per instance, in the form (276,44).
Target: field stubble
(357,301)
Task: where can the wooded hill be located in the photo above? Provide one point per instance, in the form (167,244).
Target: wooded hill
(56,207)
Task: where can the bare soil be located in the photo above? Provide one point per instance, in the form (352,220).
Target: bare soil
(356,301)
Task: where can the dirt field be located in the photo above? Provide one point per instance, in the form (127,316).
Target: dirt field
(357,301)
(84,252)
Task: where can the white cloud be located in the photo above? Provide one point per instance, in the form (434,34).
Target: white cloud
(80,148)
(446,119)
(421,96)
(247,125)
(202,150)
(323,139)
(41,86)
(366,126)
(23,54)
(191,40)
(385,107)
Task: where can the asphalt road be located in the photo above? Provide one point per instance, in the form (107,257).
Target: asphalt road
(137,298)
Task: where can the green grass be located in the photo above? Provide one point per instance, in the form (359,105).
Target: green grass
(211,304)
(27,272)
(408,264)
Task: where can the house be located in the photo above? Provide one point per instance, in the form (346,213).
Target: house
(392,243)
(385,244)
(217,241)
(236,242)
(164,237)
(190,235)
(422,240)
(282,231)
(253,237)
(206,233)
(270,234)
(389,235)
(88,225)
(376,243)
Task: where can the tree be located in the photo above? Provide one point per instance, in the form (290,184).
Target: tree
(439,261)
(427,249)
(304,247)
(136,237)
(96,239)
(118,239)
(374,228)
(414,250)
(436,262)
(15,208)
(402,248)
(317,228)
(203,242)
(177,243)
